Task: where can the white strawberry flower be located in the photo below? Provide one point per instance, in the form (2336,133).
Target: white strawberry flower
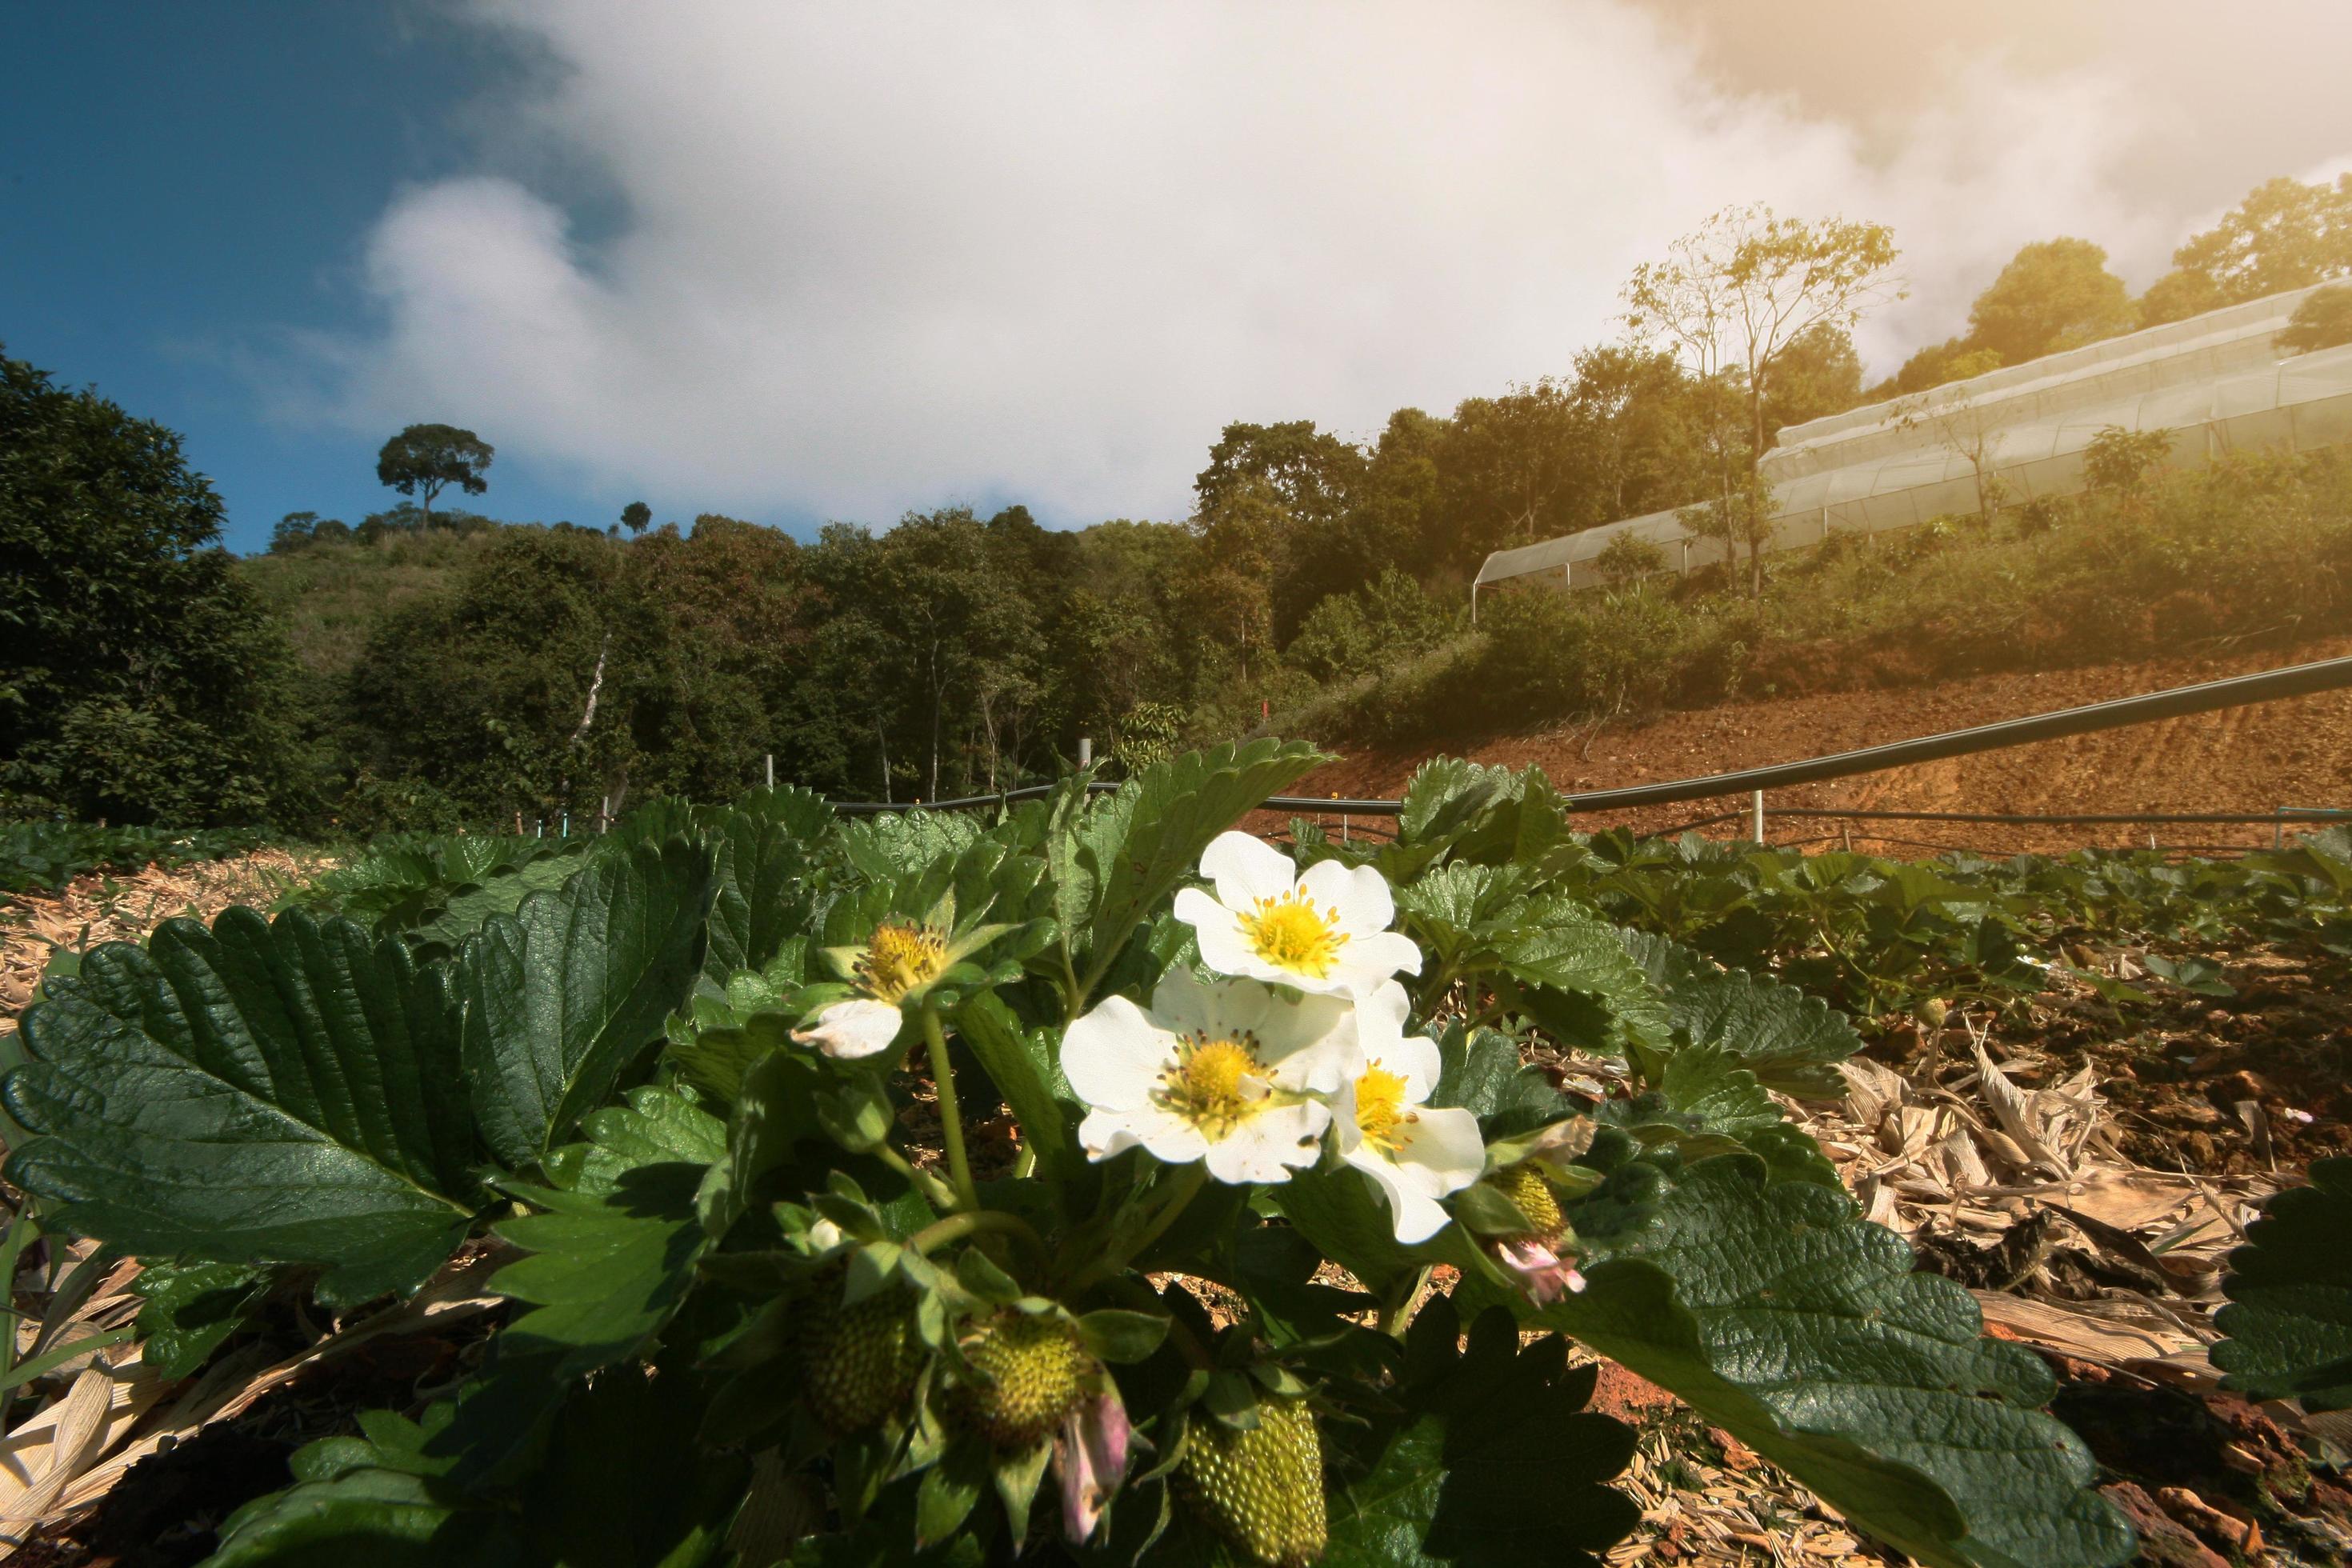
(1323,930)
(854,1028)
(1412,1155)
(1223,1072)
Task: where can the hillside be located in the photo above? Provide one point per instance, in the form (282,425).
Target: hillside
(2295,753)
(332,596)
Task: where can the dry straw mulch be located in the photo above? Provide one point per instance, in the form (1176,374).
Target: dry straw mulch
(103,906)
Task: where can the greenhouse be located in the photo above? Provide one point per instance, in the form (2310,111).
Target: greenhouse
(2219,382)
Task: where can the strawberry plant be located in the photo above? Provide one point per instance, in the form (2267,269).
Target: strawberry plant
(1282,1261)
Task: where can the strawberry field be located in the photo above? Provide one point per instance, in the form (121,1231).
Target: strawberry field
(1091,1182)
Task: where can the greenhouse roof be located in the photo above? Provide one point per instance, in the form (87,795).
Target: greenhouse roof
(2218,382)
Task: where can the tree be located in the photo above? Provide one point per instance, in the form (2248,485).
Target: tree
(1938,364)
(2054,294)
(637,516)
(2284,234)
(1512,466)
(294,531)
(1819,375)
(1635,411)
(1307,469)
(1736,293)
(141,680)
(425,459)
(2323,321)
(1228,592)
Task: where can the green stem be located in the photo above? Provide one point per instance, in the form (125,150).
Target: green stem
(935,1193)
(938,1233)
(1181,1188)
(1393,1319)
(950,1119)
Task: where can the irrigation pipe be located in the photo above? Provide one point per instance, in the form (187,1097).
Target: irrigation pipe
(2237,691)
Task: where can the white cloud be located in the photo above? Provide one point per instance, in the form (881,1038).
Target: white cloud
(887,256)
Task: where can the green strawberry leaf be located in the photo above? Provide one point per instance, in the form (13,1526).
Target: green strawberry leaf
(562,996)
(1022,1064)
(1782,1316)
(1494,1463)
(2289,1320)
(190,1310)
(1789,1039)
(608,1264)
(766,846)
(254,1094)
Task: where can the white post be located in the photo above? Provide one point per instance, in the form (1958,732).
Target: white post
(1755,817)
(1086,751)
(1474,606)
(768,762)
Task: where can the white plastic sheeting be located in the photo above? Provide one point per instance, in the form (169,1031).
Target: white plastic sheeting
(2217,382)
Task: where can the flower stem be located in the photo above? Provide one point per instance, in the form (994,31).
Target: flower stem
(1182,1188)
(935,1193)
(1394,1316)
(938,1233)
(950,1119)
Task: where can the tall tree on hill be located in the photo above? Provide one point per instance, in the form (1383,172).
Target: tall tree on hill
(1514,466)
(1634,407)
(637,517)
(1819,375)
(1307,470)
(1738,292)
(425,459)
(2054,294)
(141,680)
(2284,234)
(1732,297)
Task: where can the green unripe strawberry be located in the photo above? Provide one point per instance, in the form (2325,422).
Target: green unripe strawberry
(861,1360)
(1524,1185)
(1032,1371)
(1262,1489)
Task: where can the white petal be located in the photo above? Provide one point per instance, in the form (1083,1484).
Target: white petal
(1413,1207)
(1367,961)
(861,1027)
(1218,931)
(1183,1001)
(1115,1053)
(1264,1147)
(1446,1144)
(1412,1058)
(1246,869)
(1359,893)
(1380,1014)
(1307,1046)
(1167,1137)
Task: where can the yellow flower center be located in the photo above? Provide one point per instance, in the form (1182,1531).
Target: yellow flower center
(1290,933)
(1381,1107)
(900,957)
(1209,1086)
(1524,1185)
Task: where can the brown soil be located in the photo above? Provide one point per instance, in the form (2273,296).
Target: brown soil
(2294,752)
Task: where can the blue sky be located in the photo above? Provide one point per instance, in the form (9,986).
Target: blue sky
(183,186)
(796,261)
